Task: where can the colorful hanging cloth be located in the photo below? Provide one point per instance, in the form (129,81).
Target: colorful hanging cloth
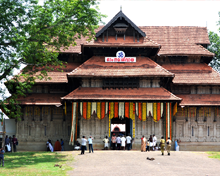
(131,110)
(121,112)
(103,110)
(127,109)
(98,106)
(111,109)
(73,124)
(116,110)
(155,112)
(106,107)
(150,109)
(136,104)
(144,111)
(175,109)
(140,111)
(161,109)
(158,111)
(85,110)
(93,108)
(89,110)
(81,108)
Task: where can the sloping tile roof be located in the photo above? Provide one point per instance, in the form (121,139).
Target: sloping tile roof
(97,67)
(56,75)
(193,73)
(175,40)
(200,99)
(120,14)
(142,94)
(41,99)
(120,42)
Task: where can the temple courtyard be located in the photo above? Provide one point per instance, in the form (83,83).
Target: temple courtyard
(110,163)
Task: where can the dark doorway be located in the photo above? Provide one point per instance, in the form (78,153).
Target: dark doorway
(128,126)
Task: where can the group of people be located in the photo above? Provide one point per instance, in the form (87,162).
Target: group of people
(58,146)
(120,143)
(11,142)
(150,143)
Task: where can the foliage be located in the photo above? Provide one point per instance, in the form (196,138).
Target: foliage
(32,34)
(36,163)
(215,155)
(215,48)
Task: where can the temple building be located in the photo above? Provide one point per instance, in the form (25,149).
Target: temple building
(149,79)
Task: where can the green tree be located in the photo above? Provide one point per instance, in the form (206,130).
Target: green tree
(215,48)
(32,34)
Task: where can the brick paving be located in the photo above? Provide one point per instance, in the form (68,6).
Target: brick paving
(110,163)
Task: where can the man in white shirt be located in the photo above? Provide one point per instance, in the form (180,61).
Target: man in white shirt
(83,145)
(90,144)
(106,141)
(123,139)
(128,140)
(154,141)
(118,141)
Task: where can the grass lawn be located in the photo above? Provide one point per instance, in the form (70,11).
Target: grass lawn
(36,163)
(215,155)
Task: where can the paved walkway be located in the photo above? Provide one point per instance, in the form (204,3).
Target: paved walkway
(113,163)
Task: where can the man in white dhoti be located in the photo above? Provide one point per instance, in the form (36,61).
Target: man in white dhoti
(154,141)
(123,139)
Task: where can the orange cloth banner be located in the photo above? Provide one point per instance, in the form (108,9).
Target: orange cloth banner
(175,109)
(102,110)
(116,110)
(140,111)
(127,109)
(158,112)
(84,109)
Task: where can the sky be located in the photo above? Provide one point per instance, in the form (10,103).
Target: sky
(165,13)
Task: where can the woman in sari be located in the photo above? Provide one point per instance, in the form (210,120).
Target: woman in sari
(143,144)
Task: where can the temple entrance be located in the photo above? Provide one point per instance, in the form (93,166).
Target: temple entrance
(121,127)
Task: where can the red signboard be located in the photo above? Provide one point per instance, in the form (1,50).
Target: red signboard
(116,59)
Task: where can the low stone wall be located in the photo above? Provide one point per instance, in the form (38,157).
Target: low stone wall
(38,146)
(199,146)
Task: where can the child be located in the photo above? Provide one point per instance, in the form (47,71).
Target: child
(2,156)
(148,146)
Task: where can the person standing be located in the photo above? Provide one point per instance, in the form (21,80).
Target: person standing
(148,146)
(106,141)
(168,145)
(57,146)
(113,141)
(123,139)
(2,156)
(15,142)
(83,145)
(154,141)
(162,145)
(118,141)
(128,141)
(7,142)
(50,145)
(90,144)
(62,145)
(143,144)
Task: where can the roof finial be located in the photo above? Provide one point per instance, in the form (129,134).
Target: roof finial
(121,8)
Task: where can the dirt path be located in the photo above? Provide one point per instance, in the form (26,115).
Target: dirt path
(112,163)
